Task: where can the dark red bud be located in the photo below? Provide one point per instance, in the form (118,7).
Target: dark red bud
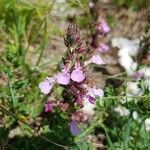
(81,49)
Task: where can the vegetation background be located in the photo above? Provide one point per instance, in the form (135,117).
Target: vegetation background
(31,46)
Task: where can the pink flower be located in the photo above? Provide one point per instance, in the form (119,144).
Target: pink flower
(93,93)
(46,85)
(96,59)
(98,92)
(103,47)
(48,107)
(104,27)
(63,77)
(77,74)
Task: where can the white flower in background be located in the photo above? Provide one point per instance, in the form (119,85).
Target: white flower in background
(131,47)
(146,74)
(128,64)
(145,71)
(147,83)
(122,111)
(15,132)
(133,89)
(147,124)
(136,116)
(127,50)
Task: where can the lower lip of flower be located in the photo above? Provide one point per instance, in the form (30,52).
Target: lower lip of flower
(77,75)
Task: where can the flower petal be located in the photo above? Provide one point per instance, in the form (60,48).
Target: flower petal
(105,27)
(77,75)
(103,47)
(48,107)
(96,59)
(93,92)
(98,92)
(46,86)
(91,99)
(63,78)
(74,129)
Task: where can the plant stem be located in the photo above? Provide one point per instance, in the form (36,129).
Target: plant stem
(127,132)
(107,136)
(12,95)
(117,97)
(42,46)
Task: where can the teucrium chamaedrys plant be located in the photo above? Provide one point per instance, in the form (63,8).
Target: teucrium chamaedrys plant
(73,77)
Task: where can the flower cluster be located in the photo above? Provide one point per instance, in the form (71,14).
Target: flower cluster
(73,76)
(102,27)
(101,30)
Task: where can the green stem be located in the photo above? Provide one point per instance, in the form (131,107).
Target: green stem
(45,35)
(41,53)
(147,138)
(12,95)
(127,132)
(118,97)
(107,136)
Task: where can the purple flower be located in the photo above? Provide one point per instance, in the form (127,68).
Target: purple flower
(103,47)
(46,85)
(74,129)
(77,74)
(63,77)
(91,99)
(96,59)
(105,27)
(48,107)
(98,92)
(92,93)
